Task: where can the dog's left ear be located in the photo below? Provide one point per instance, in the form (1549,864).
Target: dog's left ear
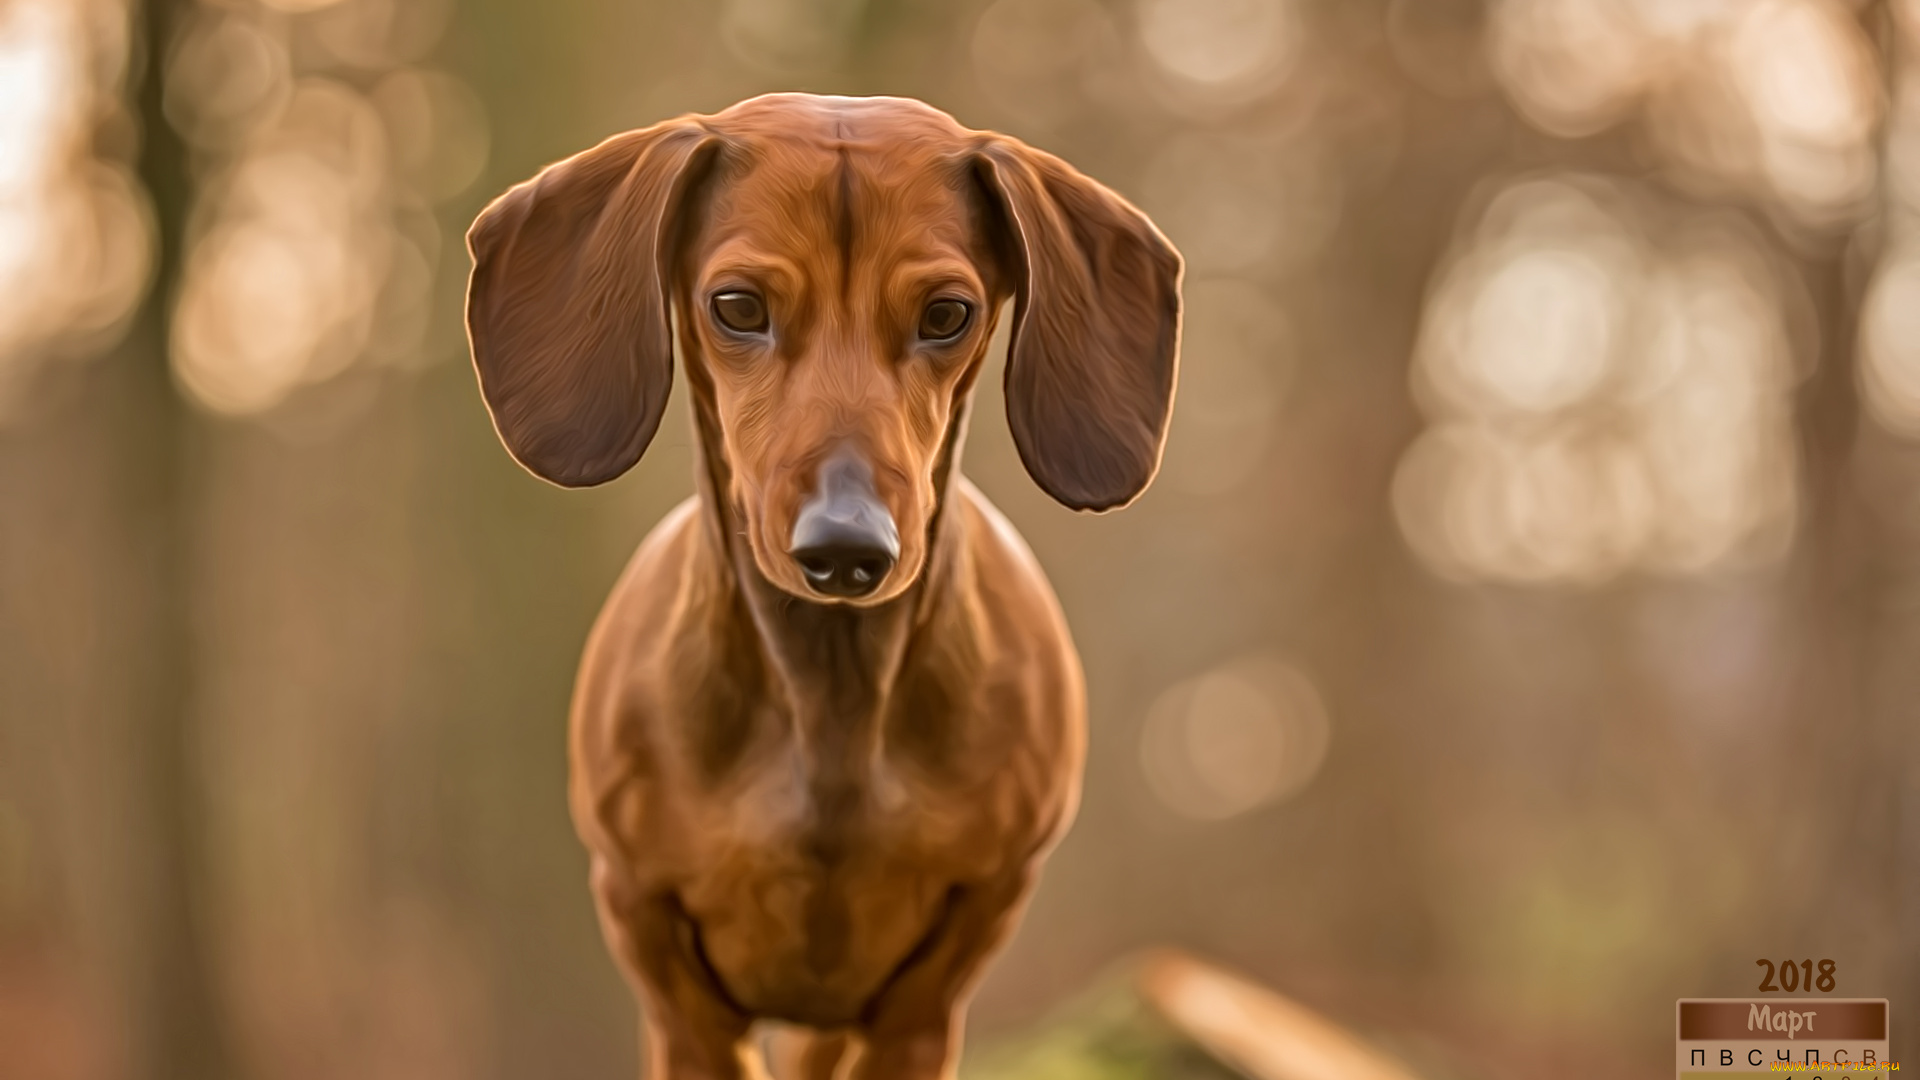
(567,306)
(1096,329)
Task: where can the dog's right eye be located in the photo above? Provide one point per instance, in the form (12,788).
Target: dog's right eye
(741,312)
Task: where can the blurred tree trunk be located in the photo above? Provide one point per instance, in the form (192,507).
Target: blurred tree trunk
(1890,798)
(177,1032)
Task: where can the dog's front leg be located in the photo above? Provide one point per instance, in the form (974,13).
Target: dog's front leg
(692,1031)
(912,1030)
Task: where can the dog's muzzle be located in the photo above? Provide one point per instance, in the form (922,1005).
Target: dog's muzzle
(844,539)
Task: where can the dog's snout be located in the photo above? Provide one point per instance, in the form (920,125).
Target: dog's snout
(844,539)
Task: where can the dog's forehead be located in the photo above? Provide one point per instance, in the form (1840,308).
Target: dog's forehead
(808,165)
(800,145)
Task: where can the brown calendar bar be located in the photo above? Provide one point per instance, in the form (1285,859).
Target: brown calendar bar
(1758,1019)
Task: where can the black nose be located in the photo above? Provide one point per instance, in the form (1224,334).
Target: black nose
(844,539)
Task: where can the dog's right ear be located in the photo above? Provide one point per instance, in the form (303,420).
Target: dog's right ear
(567,306)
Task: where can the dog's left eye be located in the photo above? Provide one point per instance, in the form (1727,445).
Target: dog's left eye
(944,319)
(742,312)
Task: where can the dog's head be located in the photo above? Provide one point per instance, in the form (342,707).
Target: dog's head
(837,266)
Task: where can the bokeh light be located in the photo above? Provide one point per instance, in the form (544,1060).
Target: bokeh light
(1606,395)
(1889,353)
(280,290)
(1806,73)
(317,246)
(1777,98)
(74,238)
(1221,49)
(1572,66)
(1245,734)
(1890,347)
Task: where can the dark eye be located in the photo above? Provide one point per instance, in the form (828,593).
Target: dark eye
(944,319)
(741,312)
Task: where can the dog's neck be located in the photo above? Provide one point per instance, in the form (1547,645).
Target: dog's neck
(835,666)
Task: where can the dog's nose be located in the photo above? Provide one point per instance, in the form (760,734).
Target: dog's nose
(844,539)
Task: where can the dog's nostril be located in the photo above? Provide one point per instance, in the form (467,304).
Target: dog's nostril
(843,570)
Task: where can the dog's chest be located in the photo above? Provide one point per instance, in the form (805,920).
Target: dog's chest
(819,800)
(822,882)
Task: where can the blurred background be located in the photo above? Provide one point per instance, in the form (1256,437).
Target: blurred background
(1524,631)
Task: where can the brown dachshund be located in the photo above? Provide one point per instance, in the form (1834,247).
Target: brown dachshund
(830,722)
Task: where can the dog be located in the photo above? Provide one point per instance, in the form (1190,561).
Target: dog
(830,722)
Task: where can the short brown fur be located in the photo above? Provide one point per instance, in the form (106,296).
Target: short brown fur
(828,812)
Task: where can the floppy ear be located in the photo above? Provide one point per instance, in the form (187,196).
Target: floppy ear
(1096,329)
(567,305)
